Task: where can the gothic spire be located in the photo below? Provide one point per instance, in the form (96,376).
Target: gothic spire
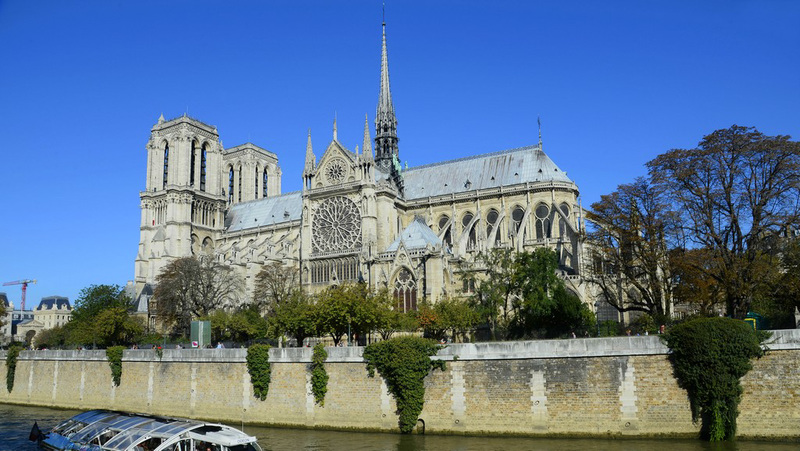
(311,160)
(366,151)
(335,137)
(539,120)
(385,120)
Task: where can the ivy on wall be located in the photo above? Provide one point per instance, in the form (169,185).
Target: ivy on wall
(259,369)
(114,356)
(319,377)
(709,356)
(11,365)
(403,362)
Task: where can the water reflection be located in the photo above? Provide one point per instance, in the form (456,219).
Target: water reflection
(17,420)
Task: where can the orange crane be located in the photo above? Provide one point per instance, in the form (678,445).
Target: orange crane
(24,284)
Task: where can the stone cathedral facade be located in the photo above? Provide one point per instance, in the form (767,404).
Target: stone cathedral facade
(360,216)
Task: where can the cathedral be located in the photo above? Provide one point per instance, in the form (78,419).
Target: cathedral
(360,216)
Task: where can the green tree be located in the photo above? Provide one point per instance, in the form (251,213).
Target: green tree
(192,287)
(779,305)
(295,317)
(497,291)
(389,319)
(115,326)
(56,337)
(523,297)
(242,325)
(734,193)
(102,317)
(347,308)
(453,317)
(95,298)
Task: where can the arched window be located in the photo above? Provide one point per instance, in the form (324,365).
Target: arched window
(517,216)
(491,224)
(605,311)
(447,238)
(203,156)
(255,184)
(239,188)
(265,180)
(542,221)
(191,166)
(562,223)
(166,164)
(465,223)
(230,184)
(405,291)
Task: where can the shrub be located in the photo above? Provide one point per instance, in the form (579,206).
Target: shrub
(11,365)
(403,363)
(319,377)
(259,369)
(709,356)
(114,356)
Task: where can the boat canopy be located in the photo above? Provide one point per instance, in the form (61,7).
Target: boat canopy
(106,430)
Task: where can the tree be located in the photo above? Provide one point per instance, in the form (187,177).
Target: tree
(115,326)
(453,316)
(193,287)
(546,309)
(733,194)
(522,296)
(241,325)
(629,251)
(102,317)
(497,291)
(275,284)
(346,308)
(93,299)
(780,304)
(294,317)
(389,319)
(692,287)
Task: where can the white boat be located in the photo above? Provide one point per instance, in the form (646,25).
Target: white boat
(106,430)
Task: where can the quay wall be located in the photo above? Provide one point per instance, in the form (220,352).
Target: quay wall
(593,387)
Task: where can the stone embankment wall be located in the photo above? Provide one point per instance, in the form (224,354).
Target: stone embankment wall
(599,386)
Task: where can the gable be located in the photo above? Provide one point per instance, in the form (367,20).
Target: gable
(337,166)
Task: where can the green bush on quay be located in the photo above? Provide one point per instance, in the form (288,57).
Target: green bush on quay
(709,356)
(403,362)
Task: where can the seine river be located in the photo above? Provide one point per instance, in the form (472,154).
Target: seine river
(16,421)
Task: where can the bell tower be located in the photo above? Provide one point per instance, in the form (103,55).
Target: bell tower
(183,204)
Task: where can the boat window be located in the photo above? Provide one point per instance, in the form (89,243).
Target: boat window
(246,447)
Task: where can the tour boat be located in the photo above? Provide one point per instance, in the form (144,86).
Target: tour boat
(105,430)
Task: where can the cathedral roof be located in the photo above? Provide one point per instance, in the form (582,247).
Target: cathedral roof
(265,212)
(504,168)
(416,236)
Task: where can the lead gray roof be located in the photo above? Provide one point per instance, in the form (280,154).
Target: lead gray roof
(265,212)
(416,236)
(504,168)
(490,170)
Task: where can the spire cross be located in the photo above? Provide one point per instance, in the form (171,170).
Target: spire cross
(539,120)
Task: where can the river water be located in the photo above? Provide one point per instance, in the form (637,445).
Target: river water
(16,422)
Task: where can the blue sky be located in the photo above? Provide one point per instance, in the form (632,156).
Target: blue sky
(615,83)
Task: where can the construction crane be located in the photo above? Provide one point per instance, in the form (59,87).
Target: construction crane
(24,284)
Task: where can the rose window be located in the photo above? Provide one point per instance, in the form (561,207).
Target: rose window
(335,171)
(336,225)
